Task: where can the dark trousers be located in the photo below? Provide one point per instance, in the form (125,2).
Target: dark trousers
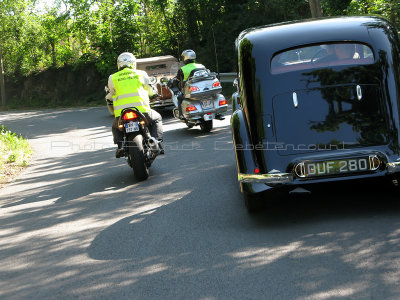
(180,99)
(153,118)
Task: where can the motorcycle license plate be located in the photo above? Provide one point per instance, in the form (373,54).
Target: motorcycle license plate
(207,104)
(208,117)
(132,127)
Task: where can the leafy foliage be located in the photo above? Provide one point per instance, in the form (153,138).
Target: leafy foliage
(15,152)
(75,32)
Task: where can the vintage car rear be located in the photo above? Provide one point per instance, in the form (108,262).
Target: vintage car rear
(161,68)
(306,117)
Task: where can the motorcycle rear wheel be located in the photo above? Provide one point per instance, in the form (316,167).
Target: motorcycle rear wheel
(206,126)
(137,158)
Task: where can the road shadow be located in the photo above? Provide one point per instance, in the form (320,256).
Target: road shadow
(300,249)
(83,227)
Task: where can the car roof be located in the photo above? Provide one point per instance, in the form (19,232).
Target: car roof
(275,37)
(156,59)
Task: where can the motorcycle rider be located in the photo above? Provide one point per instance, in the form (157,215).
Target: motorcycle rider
(189,59)
(131,88)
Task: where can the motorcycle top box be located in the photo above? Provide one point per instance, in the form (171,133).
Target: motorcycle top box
(317,102)
(202,85)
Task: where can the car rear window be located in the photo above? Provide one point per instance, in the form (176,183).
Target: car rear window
(321,55)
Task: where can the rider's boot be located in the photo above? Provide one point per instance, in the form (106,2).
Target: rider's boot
(120,151)
(160,145)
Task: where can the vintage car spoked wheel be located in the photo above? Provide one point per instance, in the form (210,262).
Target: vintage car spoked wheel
(206,126)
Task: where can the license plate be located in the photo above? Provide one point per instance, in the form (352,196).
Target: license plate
(132,127)
(208,117)
(335,167)
(207,104)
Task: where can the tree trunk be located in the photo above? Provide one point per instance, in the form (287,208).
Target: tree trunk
(315,7)
(2,85)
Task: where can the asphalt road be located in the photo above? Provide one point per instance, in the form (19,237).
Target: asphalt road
(76,224)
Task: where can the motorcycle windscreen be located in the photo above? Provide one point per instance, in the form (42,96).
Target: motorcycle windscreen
(331,118)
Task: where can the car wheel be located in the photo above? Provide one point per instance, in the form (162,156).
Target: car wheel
(253,202)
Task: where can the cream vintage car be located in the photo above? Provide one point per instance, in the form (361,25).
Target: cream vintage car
(160,69)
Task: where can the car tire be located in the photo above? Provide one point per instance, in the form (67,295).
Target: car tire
(253,202)
(137,158)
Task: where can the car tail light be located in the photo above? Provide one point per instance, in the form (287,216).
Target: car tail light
(194,88)
(191,108)
(130,115)
(223,102)
(256,170)
(215,84)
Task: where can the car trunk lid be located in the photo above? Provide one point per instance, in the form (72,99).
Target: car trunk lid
(329,118)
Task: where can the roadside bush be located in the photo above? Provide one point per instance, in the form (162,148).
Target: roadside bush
(15,153)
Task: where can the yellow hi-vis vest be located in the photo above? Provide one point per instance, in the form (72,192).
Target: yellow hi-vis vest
(129,91)
(189,68)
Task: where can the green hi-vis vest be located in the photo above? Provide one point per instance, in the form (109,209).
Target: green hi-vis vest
(189,68)
(129,92)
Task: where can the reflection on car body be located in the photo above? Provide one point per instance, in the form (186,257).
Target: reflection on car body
(317,105)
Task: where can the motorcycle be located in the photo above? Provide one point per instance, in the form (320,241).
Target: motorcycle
(139,147)
(202,100)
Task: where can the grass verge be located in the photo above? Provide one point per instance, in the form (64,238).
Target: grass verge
(15,154)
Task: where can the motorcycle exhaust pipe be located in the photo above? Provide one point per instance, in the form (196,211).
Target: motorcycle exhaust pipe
(153,143)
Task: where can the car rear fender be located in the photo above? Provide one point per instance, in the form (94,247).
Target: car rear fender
(245,159)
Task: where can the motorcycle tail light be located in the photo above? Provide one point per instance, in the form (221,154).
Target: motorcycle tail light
(191,108)
(256,170)
(130,115)
(194,88)
(223,102)
(215,84)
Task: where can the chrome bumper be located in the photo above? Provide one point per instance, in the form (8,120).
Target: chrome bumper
(393,167)
(200,114)
(276,178)
(162,103)
(284,178)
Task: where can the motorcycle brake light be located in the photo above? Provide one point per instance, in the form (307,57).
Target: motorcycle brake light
(223,102)
(215,84)
(191,108)
(130,115)
(194,88)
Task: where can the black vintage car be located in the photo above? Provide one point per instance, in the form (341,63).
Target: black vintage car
(318,102)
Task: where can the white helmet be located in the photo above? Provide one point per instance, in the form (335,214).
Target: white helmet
(126,59)
(188,55)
